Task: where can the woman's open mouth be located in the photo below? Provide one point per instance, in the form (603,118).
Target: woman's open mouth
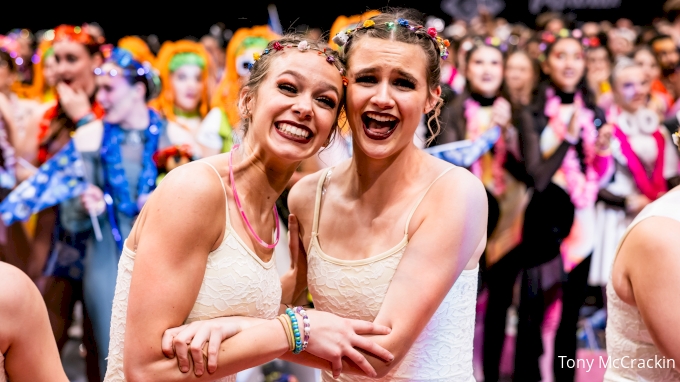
(294,131)
(379,126)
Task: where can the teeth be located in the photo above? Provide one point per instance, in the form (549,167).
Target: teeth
(292,130)
(380,117)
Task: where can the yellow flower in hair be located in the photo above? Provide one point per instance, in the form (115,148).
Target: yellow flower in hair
(369,23)
(256,56)
(495,41)
(564,33)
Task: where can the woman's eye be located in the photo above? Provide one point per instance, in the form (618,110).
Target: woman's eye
(328,102)
(287,88)
(71,59)
(366,80)
(405,83)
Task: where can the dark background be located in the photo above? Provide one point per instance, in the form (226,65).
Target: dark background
(175,20)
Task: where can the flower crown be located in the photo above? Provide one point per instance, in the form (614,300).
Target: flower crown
(494,42)
(82,35)
(441,44)
(548,38)
(124,59)
(302,46)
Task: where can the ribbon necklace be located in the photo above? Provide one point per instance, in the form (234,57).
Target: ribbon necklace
(243,214)
(652,187)
(116,188)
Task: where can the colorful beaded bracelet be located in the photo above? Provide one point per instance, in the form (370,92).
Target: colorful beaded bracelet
(307,328)
(89,117)
(296,331)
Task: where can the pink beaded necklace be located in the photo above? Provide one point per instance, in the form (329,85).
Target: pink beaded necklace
(243,214)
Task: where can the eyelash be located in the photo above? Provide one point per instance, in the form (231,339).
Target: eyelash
(399,82)
(291,89)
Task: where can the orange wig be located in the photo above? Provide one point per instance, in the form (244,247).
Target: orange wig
(227,93)
(165,102)
(139,49)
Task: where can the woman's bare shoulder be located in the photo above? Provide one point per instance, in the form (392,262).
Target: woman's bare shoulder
(18,295)
(190,198)
(648,249)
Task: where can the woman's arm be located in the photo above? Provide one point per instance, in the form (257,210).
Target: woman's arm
(174,234)
(25,334)
(540,170)
(441,247)
(651,260)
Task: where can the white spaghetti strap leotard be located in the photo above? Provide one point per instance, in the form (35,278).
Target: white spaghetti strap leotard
(356,289)
(628,338)
(236,283)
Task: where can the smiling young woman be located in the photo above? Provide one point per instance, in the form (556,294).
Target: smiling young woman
(566,152)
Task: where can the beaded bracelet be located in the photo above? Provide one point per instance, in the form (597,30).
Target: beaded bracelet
(89,117)
(296,331)
(305,321)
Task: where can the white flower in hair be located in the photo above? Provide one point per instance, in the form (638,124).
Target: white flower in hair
(340,39)
(303,45)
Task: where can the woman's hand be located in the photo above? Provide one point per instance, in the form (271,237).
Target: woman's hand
(193,338)
(501,113)
(93,199)
(574,129)
(635,203)
(76,103)
(604,138)
(333,337)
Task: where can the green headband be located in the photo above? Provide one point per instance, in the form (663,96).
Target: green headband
(254,42)
(181,59)
(48,53)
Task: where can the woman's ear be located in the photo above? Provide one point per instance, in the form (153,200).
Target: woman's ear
(97,60)
(435,96)
(245,102)
(140,90)
(545,67)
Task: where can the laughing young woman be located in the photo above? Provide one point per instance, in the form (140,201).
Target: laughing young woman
(180,264)
(391,192)
(374,225)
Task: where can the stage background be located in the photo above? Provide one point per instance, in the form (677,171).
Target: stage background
(178,19)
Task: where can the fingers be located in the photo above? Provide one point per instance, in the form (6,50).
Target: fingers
(361,361)
(373,348)
(181,345)
(213,350)
(365,327)
(196,348)
(336,366)
(64,90)
(166,341)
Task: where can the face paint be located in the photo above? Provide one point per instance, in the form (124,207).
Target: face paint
(628,91)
